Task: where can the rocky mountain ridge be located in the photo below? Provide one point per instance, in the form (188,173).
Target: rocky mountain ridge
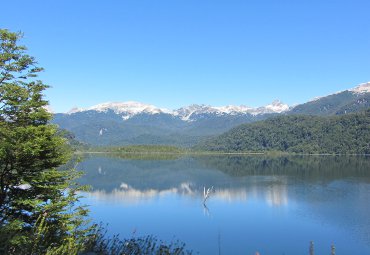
(124,123)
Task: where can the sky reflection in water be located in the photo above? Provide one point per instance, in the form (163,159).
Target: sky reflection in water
(275,205)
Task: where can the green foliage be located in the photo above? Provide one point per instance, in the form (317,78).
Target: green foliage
(139,152)
(147,245)
(343,134)
(39,203)
(74,144)
(38,211)
(339,103)
(155,130)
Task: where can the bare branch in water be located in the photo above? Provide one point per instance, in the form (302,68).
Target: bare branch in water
(206,194)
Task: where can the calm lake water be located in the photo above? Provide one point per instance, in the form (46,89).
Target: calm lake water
(274,205)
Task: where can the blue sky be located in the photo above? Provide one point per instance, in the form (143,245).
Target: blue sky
(174,53)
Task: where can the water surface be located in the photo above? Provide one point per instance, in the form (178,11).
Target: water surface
(274,205)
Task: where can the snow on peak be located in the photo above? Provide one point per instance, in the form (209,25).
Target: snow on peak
(126,109)
(129,107)
(188,113)
(233,109)
(185,113)
(277,106)
(362,88)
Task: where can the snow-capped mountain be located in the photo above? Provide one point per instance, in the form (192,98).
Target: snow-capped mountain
(275,107)
(341,102)
(138,123)
(359,89)
(125,109)
(362,88)
(129,109)
(191,112)
(188,113)
(131,122)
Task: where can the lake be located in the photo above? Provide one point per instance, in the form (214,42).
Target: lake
(273,205)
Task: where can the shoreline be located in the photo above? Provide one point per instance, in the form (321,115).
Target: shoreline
(216,153)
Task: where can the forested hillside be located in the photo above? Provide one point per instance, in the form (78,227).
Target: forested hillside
(336,104)
(344,134)
(107,128)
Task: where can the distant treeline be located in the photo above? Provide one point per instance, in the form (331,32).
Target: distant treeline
(76,145)
(342,134)
(139,149)
(305,134)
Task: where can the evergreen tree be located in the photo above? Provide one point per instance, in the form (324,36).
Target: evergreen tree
(38,213)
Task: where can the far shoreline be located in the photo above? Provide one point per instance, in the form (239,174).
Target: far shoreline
(205,153)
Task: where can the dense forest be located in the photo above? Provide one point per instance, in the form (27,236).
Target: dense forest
(342,134)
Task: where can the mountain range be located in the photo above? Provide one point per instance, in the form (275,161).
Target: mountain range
(190,113)
(123,123)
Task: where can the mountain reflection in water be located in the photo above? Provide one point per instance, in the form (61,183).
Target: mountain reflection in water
(275,194)
(320,196)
